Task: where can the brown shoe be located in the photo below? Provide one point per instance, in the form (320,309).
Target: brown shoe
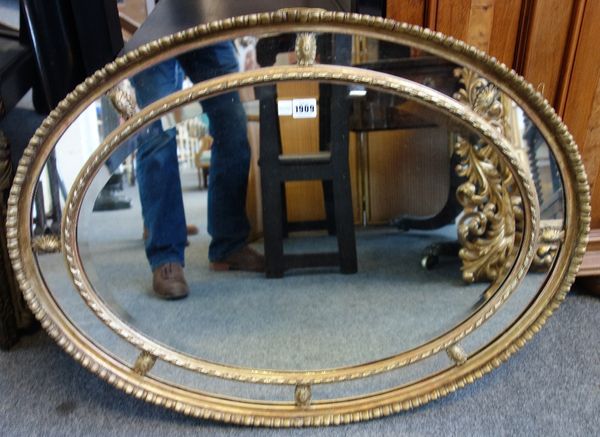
(168,282)
(191,229)
(245,259)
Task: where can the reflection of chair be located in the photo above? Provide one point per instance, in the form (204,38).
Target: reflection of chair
(330,166)
(202,160)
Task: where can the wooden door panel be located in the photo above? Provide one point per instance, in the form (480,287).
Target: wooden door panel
(546,45)
(591,154)
(505,30)
(409,11)
(490,25)
(408,173)
(452,18)
(581,92)
(582,101)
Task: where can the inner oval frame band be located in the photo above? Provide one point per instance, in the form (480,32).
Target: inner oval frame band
(327,73)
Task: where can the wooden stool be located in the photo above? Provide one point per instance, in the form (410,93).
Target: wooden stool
(330,166)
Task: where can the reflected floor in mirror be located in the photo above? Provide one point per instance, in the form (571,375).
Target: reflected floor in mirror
(391,304)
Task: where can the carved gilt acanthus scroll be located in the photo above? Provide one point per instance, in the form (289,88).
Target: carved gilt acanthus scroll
(490,228)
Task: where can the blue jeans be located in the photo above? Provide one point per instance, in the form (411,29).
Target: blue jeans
(158,170)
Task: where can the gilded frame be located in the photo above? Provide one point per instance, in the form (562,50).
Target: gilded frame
(577,221)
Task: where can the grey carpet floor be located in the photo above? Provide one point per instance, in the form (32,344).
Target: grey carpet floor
(551,387)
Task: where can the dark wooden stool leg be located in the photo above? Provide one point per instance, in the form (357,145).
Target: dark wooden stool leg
(345,224)
(284,215)
(329,198)
(40,210)
(273,229)
(271,183)
(325,125)
(342,192)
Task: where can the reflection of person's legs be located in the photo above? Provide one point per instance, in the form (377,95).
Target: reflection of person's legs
(230,161)
(160,186)
(160,196)
(228,178)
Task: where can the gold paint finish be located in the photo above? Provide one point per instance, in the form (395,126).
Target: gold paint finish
(306,48)
(124,101)
(144,363)
(457,354)
(489,229)
(326,412)
(551,237)
(46,244)
(498,293)
(303,395)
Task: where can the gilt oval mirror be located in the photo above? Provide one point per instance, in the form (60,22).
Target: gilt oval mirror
(321,218)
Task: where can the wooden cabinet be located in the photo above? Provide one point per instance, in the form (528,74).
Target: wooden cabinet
(579,105)
(407,173)
(553,44)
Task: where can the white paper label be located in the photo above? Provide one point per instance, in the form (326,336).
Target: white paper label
(304,108)
(284,107)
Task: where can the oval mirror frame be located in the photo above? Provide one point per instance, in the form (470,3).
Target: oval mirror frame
(557,284)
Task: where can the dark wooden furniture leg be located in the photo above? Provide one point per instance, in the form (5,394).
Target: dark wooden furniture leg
(342,193)
(271,185)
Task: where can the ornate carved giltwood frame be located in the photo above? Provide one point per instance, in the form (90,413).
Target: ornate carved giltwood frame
(491,225)
(300,412)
